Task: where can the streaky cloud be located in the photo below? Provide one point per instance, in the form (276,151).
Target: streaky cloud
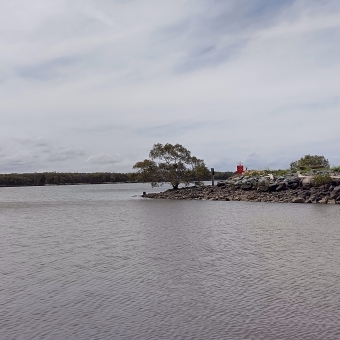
(47,70)
(103,158)
(182,128)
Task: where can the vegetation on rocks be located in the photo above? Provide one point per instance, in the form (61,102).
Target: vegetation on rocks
(262,187)
(322,179)
(310,162)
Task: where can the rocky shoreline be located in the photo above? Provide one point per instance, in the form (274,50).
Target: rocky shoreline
(294,188)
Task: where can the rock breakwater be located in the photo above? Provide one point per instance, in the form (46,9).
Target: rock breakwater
(285,189)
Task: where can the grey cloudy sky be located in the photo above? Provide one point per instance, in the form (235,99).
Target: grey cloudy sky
(91,85)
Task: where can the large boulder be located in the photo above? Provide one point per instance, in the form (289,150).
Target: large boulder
(293,183)
(272,186)
(281,186)
(294,180)
(336,181)
(263,185)
(247,186)
(335,193)
(237,185)
(307,183)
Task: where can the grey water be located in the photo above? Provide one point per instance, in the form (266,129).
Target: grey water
(100,262)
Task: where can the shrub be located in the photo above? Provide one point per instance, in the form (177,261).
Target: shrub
(322,179)
(254,173)
(309,161)
(280,172)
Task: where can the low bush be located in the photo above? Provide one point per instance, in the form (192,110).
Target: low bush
(280,172)
(322,179)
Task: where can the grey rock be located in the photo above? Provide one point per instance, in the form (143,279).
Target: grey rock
(293,185)
(307,183)
(281,186)
(272,186)
(324,200)
(247,186)
(298,200)
(335,193)
(263,187)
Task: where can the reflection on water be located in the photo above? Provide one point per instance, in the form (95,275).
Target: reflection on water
(99,262)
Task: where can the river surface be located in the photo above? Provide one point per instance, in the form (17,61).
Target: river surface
(100,262)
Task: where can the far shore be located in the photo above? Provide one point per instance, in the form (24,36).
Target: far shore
(63,184)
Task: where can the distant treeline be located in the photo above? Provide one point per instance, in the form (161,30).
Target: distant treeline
(223,175)
(62,178)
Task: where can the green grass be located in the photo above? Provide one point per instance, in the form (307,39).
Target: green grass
(276,173)
(285,172)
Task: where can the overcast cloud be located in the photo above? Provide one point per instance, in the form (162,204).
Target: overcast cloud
(92,85)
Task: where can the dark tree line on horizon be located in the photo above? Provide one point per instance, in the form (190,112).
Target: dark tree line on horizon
(69,178)
(62,178)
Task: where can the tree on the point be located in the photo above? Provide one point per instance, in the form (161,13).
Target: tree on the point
(309,161)
(172,164)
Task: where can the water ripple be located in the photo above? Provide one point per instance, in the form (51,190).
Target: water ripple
(94,262)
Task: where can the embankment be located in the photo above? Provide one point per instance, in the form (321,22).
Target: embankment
(285,189)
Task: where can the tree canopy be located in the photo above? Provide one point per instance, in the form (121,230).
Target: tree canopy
(171,164)
(309,161)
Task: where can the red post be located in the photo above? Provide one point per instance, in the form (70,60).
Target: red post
(240,168)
